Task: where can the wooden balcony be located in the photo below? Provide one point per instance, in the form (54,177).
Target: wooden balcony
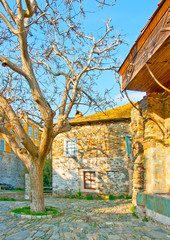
(150,55)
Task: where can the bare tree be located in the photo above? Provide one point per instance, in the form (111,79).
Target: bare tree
(50,67)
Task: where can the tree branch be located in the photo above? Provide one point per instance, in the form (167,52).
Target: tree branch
(13,66)
(31,8)
(8,10)
(19,131)
(13,30)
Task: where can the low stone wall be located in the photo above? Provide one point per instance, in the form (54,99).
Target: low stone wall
(156,207)
(14,195)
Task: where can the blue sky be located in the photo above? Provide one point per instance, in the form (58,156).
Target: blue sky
(128,17)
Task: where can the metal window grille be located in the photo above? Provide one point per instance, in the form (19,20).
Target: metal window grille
(71,147)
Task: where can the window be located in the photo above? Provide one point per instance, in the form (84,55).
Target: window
(2,145)
(129,145)
(71,147)
(30,130)
(36,133)
(89,180)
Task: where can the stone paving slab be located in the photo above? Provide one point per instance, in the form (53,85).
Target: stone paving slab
(82,220)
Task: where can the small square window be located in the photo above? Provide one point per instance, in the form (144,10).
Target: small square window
(2,145)
(89,180)
(70,147)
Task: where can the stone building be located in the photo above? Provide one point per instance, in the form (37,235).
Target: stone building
(94,156)
(147,68)
(12,169)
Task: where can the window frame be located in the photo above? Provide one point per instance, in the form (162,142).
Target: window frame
(35,133)
(66,147)
(128,140)
(91,180)
(30,129)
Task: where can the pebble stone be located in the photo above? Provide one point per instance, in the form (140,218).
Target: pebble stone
(81,220)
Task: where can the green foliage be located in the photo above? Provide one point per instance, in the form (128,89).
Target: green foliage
(90,197)
(47,173)
(120,197)
(132,209)
(79,194)
(26,211)
(128,197)
(133,212)
(111,197)
(135,215)
(7,199)
(19,190)
(101,198)
(145,219)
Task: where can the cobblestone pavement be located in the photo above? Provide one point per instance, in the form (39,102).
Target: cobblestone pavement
(81,219)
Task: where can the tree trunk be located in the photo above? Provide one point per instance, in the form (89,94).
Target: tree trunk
(36,186)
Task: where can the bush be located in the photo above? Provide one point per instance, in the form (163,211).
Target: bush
(7,199)
(47,173)
(111,197)
(145,219)
(90,197)
(134,214)
(128,197)
(132,209)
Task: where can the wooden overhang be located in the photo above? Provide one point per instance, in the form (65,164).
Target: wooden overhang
(150,55)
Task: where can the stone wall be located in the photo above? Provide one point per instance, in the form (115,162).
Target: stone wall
(11,170)
(14,195)
(27,186)
(151,143)
(101,147)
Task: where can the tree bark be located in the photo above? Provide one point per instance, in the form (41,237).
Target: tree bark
(36,186)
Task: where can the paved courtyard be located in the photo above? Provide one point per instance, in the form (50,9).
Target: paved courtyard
(81,219)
